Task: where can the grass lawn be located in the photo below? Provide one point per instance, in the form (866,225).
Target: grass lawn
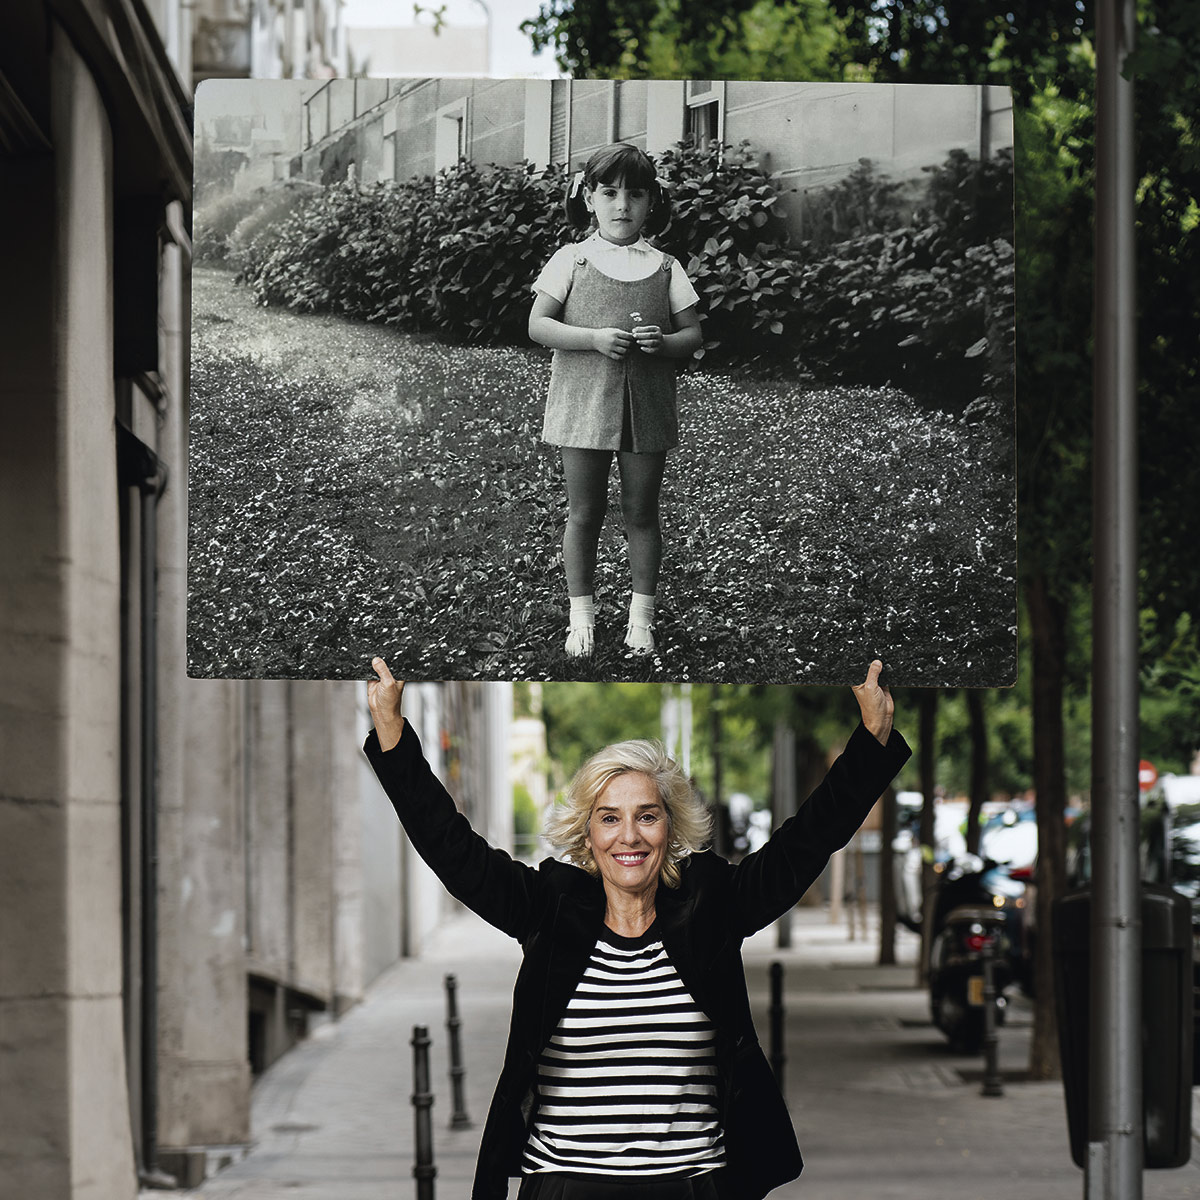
(355,490)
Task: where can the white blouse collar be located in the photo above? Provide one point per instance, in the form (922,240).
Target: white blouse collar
(641,245)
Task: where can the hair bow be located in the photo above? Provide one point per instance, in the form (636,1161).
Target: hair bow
(576,184)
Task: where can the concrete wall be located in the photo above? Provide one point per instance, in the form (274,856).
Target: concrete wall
(812,135)
(809,136)
(64,1116)
(203,1074)
(426,901)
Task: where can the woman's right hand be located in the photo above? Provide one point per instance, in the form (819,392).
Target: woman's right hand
(612,343)
(383,698)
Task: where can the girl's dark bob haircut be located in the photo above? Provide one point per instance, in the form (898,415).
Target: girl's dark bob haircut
(619,163)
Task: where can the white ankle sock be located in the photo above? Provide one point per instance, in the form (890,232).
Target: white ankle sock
(639,636)
(583,611)
(641,609)
(581,638)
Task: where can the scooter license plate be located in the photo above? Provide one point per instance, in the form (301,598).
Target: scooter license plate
(975,991)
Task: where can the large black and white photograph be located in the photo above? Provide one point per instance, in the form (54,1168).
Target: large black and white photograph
(598,380)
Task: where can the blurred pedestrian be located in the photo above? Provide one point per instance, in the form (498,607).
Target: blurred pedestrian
(633,1069)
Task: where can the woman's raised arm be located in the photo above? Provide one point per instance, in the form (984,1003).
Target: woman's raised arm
(383,698)
(768,882)
(505,893)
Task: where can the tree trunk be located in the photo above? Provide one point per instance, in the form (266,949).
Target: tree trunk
(887,879)
(721,830)
(1047,622)
(811,763)
(927,699)
(979,767)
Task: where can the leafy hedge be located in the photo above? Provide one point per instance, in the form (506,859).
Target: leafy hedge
(226,226)
(454,254)
(927,305)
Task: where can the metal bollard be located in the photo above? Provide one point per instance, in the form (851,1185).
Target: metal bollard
(422,1099)
(459,1118)
(778,1058)
(992,1085)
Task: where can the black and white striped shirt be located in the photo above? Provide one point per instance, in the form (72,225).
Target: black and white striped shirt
(627,1085)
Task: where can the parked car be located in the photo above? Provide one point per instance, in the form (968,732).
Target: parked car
(949,844)
(1175,790)
(1009,842)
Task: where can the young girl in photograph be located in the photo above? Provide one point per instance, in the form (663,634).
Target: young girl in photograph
(617,312)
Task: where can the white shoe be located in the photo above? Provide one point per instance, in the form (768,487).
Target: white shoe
(640,639)
(580,641)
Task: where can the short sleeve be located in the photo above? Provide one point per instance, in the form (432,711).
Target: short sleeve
(680,293)
(555,277)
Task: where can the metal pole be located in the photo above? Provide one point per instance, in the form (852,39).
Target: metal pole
(1114,1168)
(778,1058)
(424,1172)
(149,734)
(783,804)
(992,1085)
(459,1118)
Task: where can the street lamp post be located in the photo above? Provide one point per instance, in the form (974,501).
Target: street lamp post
(1114,1163)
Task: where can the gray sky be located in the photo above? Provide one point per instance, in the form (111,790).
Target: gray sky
(512,54)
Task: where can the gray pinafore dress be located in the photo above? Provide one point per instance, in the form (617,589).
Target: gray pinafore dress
(594,399)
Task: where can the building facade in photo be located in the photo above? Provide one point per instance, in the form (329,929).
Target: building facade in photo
(807,135)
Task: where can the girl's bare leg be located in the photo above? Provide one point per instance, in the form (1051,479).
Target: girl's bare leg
(641,483)
(586,476)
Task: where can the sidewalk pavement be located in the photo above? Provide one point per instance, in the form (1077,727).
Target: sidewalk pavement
(882,1109)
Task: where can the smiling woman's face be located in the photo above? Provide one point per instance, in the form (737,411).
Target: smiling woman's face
(628,833)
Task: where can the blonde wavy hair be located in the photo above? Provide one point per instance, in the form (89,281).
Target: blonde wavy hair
(689,822)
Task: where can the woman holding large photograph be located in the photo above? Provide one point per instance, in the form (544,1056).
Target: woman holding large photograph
(633,1069)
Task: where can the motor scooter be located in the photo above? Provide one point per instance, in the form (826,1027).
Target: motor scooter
(966,923)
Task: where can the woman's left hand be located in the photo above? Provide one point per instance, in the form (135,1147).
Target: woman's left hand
(875,703)
(649,338)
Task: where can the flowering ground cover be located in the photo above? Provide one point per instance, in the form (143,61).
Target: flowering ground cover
(355,490)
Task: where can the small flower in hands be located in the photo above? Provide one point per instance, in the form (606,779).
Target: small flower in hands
(649,338)
(612,343)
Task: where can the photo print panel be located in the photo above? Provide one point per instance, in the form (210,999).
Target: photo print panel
(822,474)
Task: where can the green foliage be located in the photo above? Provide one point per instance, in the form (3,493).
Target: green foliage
(1170,691)
(215,170)
(1053,355)
(862,203)
(694,39)
(582,717)
(794,39)
(727,232)
(456,253)
(222,226)
(525,814)
(928,41)
(258,227)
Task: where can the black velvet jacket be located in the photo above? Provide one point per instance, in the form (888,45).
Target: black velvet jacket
(556,912)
